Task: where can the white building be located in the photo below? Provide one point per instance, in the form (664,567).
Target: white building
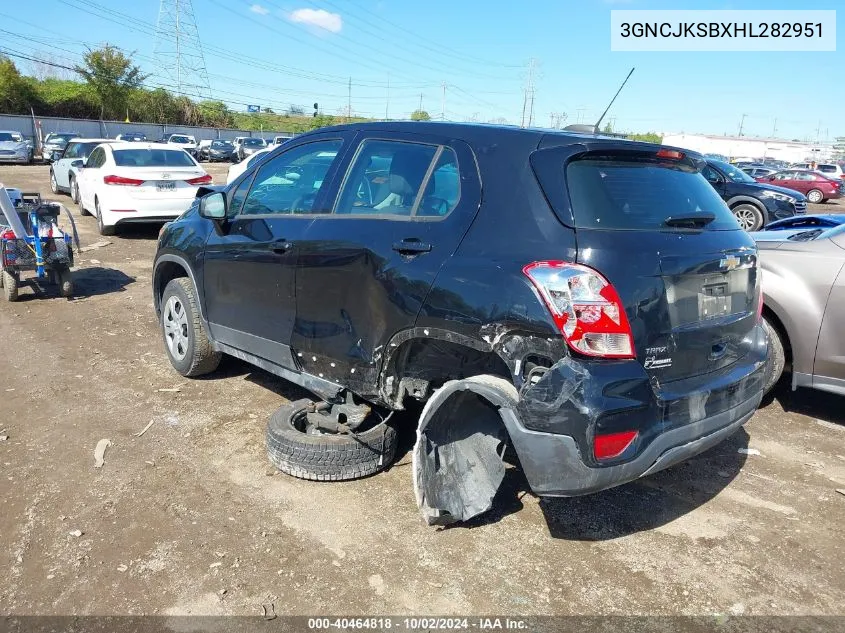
(751,147)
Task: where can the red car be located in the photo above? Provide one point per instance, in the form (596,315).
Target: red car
(817,187)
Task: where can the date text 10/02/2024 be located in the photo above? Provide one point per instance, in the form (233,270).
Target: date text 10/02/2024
(417,624)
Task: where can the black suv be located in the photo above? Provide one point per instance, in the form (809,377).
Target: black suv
(590,302)
(754,204)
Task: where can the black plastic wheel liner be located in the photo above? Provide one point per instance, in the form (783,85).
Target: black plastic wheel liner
(457,460)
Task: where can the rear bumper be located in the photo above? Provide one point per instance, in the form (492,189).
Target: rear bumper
(554,467)
(553,425)
(19,160)
(149,210)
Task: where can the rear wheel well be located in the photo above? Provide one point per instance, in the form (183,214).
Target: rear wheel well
(777,324)
(419,366)
(166,272)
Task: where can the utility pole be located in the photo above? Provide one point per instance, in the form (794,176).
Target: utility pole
(349,101)
(775,128)
(742,124)
(443,103)
(421,102)
(387,103)
(579,111)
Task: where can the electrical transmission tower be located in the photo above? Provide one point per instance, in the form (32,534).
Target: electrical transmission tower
(178,49)
(528,94)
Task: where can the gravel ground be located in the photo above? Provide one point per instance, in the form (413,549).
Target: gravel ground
(189,518)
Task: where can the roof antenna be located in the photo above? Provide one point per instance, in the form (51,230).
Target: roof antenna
(594,129)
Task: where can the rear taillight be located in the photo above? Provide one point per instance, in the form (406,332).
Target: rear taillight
(612,444)
(585,307)
(120,180)
(202,180)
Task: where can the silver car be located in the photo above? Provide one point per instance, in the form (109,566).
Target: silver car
(13,148)
(804,305)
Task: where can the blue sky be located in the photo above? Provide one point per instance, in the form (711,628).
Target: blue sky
(280,52)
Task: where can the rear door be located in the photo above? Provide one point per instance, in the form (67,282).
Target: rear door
(90,176)
(250,260)
(364,270)
(684,270)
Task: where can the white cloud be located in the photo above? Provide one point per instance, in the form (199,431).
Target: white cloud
(317,17)
(257,8)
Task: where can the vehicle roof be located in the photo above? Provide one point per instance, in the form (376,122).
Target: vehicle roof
(93,140)
(128,145)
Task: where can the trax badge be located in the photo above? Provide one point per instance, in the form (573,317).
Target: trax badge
(729,263)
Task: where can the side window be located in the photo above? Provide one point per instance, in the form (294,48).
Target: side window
(443,188)
(783,175)
(805,176)
(385,178)
(72,150)
(97,158)
(238,196)
(291,182)
(710,174)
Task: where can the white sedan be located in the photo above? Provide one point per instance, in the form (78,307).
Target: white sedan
(238,168)
(124,183)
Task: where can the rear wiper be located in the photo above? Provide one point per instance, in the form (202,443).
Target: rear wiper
(806,236)
(690,220)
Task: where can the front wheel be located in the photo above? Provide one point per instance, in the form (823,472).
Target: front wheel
(74,195)
(188,348)
(54,186)
(815,196)
(750,217)
(10,286)
(777,357)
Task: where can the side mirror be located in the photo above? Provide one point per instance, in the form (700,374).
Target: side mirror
(213,206)
(79,164)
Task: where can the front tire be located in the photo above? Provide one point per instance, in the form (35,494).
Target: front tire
(777,357)
(10,286)
(750,217)
(815,196)
(74,195)
(54,186)
(187,345)
(104,230)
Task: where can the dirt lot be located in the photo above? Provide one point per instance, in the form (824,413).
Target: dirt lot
(190,517)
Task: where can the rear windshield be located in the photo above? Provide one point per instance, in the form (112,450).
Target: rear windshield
(152,158)
(254,142)
(828,169)
(632,194)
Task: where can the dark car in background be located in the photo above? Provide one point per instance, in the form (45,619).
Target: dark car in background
(132,137)
(55,142)
(607,330)
(250,146)
(816,186)
(758,171)
(216,151)
(753,204)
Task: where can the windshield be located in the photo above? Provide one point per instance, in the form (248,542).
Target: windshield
(222,144)
(6,137)
(733,172)
(180,139)
(643,194)
(254,142)
(152,158)
(61,137)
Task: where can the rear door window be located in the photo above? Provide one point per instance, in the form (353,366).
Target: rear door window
(633,193)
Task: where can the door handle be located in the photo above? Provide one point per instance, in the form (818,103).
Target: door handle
(281,246)
(411,246)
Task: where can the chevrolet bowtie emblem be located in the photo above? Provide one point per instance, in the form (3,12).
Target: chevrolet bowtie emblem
(729,263)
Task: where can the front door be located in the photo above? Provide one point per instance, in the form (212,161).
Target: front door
(90,176)
(364,270)
(250,259)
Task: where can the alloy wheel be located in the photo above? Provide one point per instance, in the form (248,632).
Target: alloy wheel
(175,323)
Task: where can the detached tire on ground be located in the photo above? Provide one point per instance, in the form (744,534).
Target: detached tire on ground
(326,456)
